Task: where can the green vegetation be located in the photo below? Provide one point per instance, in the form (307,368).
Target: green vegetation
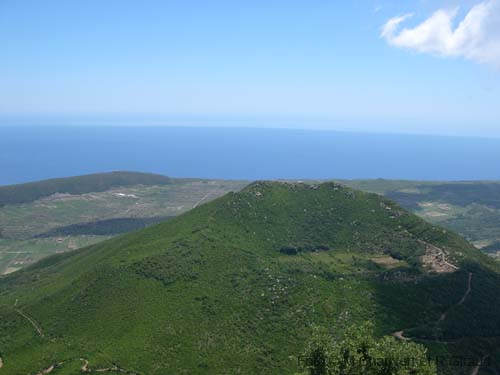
(29,192)
(210,291)
(354,351)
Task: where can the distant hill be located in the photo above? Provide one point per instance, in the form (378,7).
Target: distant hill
(65,221)
(235,286)
(31,191)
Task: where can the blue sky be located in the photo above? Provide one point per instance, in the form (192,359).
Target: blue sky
(314,63)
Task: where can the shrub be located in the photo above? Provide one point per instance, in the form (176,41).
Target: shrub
(356,352)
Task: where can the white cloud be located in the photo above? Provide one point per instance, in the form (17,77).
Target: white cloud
(476,37)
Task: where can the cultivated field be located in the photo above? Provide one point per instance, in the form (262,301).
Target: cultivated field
(31,231)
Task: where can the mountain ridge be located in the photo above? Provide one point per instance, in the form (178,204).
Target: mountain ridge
(212,291)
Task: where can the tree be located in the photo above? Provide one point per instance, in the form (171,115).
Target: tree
(355,351)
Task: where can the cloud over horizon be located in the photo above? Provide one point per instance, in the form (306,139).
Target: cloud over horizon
(476,37)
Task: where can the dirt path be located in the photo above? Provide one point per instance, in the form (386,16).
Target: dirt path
(400,334)
(32,321)
(467,292)
(202,199)
(1,362)
(48,370)
(476,369)
(115,368)
(464,297)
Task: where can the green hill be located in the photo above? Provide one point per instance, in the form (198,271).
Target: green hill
(29,192)
(236,285)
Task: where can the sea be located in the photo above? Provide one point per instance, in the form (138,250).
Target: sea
(30,153)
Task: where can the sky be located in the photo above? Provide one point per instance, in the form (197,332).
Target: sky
(413,66)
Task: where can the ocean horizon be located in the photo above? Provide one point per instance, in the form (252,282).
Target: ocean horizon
(30,153)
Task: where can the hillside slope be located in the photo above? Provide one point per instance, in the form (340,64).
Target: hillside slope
(471,208)
(111,204)
(235,285)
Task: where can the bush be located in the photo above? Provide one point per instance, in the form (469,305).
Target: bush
(356,352)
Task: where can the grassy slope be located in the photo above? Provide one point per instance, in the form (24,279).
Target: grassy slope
(210,291)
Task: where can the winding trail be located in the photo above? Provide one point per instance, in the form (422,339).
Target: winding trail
(400,334)
(462,300)
(32,321)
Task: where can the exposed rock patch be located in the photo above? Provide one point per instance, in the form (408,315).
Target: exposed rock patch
(435,259)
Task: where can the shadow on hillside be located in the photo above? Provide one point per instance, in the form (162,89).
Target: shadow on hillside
(458,327)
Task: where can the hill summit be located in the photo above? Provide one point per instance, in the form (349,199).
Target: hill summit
(236,285)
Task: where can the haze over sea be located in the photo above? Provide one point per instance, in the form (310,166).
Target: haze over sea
(38,152)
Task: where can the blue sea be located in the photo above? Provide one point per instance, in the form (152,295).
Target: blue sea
(39,152)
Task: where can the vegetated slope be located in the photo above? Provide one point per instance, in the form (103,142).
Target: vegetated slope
(29,192)
(234,286)
(471,208)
